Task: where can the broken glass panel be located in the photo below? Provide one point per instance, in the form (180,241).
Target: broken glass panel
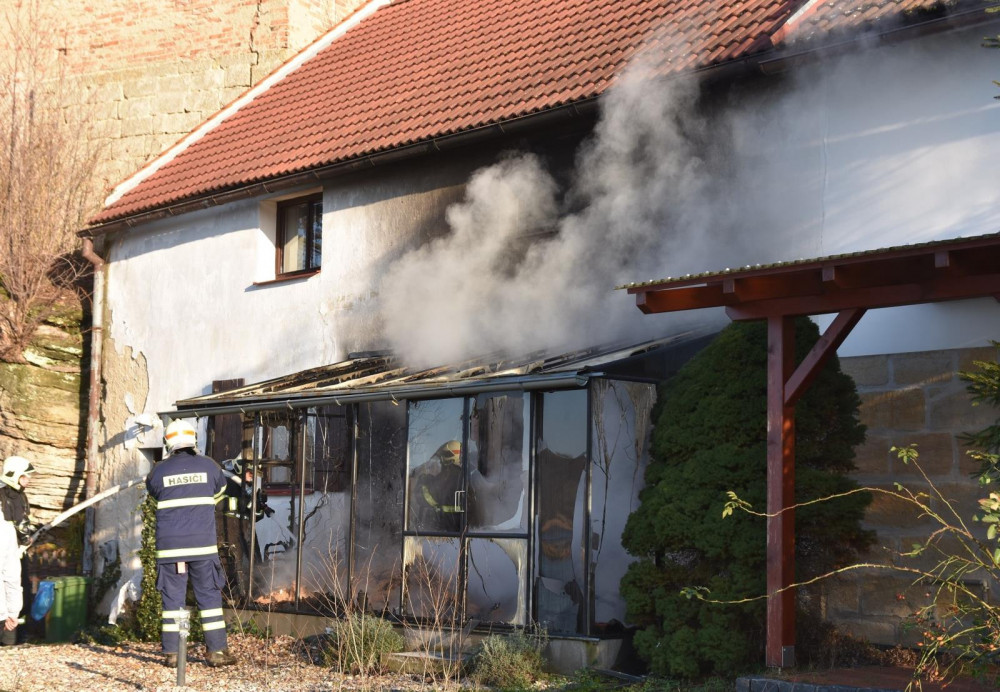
(234,526)
(560,526)
(276,442)
(435,499)
(495,587)
(378,513)
(498,463)
(431,575)
(275,560)
(619,448)
(327,508)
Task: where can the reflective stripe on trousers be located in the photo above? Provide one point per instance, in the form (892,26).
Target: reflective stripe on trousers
(206,582)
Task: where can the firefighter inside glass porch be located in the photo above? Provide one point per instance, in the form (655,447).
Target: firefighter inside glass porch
(435,504)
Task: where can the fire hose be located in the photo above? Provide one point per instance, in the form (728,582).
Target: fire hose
(63,516)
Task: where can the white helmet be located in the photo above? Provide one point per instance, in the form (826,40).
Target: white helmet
(13,469)
(178,435)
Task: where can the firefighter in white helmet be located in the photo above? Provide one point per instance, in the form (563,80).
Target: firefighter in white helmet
(13,530)
(186,487)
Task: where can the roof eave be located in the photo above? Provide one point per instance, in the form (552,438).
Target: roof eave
(786,56)
(565,380)
(570,111)
(766,59)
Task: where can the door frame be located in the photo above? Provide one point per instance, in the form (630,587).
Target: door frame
(464,534)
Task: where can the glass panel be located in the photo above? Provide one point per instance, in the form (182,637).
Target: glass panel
(436,476)
(378,513)
(495,589)
(561,464)
(327,450)
(432,571)
(498,463)
(316,253)
(233,523)
(295,227)
(276,442)
(275,562)
(620,432)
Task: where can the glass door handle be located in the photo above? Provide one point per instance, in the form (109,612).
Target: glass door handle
(459,495)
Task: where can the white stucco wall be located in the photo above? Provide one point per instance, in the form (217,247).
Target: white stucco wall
(185,306)
(893,146)
(876,149)
(191,293)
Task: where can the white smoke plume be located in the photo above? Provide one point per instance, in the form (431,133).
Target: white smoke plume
(494,284)
(852,152)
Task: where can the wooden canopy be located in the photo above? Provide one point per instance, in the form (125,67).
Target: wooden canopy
(847,285)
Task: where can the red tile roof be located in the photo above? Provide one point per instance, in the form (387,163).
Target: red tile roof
(415,70)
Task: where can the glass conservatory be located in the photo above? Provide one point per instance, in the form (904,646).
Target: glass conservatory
(484,495)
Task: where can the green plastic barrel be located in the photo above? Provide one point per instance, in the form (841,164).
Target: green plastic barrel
(69,608)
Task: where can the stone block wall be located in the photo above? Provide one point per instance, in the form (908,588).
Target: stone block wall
(147,72)
(40,415)
(908,398)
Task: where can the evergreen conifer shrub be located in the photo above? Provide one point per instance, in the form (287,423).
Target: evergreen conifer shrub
(710,437)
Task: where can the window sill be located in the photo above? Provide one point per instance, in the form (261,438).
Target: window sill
(285,278)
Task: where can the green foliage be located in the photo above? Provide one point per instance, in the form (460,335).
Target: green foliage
(710,437)
(359,644)
(106,635)
(101,632)
(104,582)
(149,611)
(984,386)
(509,661)
(958,624)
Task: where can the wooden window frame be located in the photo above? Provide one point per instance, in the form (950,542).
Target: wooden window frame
(294,463)
(279,239)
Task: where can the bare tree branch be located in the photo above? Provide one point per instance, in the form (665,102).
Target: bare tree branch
(47,180)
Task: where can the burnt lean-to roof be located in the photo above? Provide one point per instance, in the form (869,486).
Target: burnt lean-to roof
(410,74)
(382,376)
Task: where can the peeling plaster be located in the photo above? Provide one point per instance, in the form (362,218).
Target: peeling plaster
(125,372)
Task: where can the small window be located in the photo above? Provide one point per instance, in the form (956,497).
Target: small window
(299,240)
(278,445)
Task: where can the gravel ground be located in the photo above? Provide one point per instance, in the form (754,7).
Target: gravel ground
(273,664)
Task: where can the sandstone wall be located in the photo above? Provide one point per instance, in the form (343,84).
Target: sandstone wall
(147,72)
(40,415)
(910,398)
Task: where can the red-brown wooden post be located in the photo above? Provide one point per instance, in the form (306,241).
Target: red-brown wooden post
(780,650)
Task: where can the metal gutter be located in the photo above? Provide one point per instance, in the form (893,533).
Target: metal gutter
(560,114)
(524,383)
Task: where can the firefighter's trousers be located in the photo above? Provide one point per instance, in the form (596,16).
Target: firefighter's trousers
(207,581)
